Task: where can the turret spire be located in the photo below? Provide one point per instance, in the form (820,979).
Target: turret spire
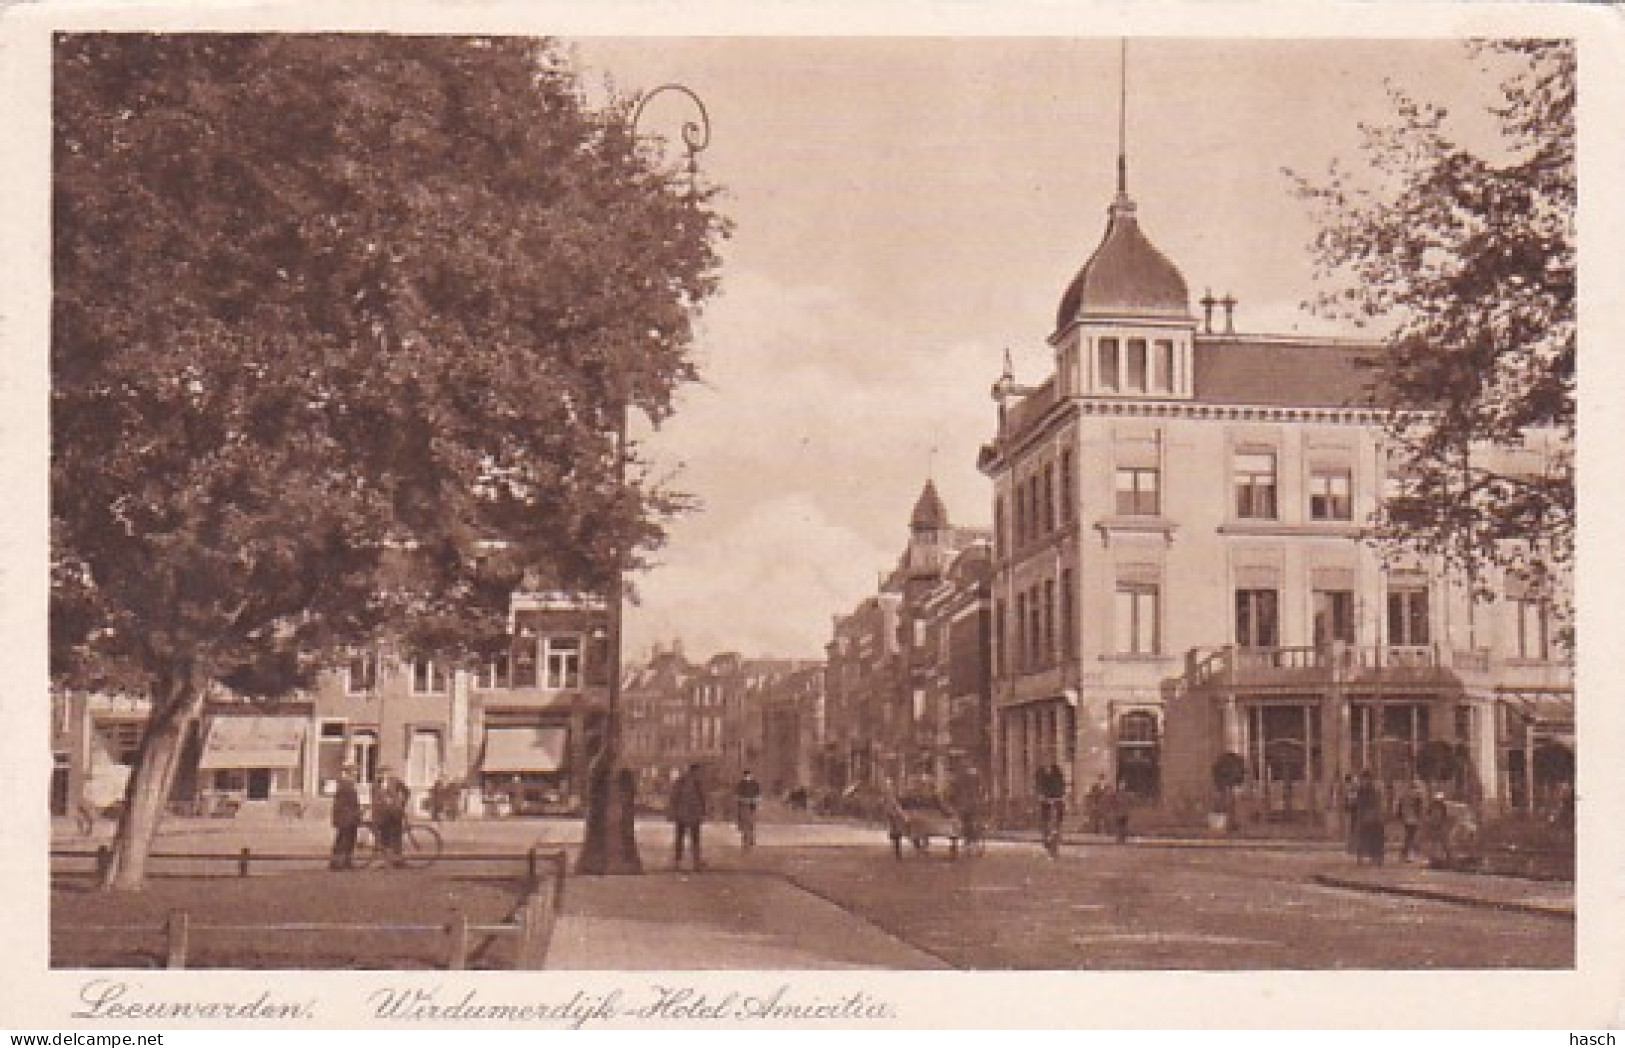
(1122,119)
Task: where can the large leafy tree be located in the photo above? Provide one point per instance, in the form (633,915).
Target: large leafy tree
(321,298)
(1467,256)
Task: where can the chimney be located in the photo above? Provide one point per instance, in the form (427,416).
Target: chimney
(1229,304)
(1208,302)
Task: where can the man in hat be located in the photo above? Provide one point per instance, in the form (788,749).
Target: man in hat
(686,810)
(346,820)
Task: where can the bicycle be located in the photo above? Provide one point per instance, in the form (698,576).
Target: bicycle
(1049,813)
(421,844)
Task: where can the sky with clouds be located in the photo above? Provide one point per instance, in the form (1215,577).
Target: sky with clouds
(909,208)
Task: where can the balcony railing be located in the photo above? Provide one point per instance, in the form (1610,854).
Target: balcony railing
(1325,664)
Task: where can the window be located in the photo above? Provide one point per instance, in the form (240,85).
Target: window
(561,661)
(1049,498)
(121,739)
(999,638)
(360,675)
(1165,366)
(524,658)
(1408,616)
(1049,622)
(428,678)
(1067,487)
(1334,617)
(1329,497)
(1069,625)
(998,527)
(364,754)
(1533,618)
(493,674)
(1136,365)
(1137,619)
(1255,485)
(1138,493)
(1257,624)
(1137,754)
(330,749)
(1035,628)
(1109,378)
(1021,632)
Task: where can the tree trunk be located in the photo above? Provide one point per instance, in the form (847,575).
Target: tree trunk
(608,844)
(175,706)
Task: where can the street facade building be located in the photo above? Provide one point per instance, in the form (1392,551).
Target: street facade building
(513,736)
(1182,569)
(886,657)
(958,678)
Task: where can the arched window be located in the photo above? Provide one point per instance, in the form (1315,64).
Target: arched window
(1138,754)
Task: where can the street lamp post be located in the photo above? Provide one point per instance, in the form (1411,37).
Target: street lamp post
(609,843)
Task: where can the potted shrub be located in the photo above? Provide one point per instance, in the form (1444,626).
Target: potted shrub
(1229,769)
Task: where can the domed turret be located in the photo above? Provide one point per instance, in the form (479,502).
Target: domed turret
(1125,277)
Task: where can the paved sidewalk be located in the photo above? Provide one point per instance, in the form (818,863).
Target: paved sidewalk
(715,920)
(1547,898)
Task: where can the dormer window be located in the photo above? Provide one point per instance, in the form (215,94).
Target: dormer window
(1164,374)
(1137,363)
(1110,376)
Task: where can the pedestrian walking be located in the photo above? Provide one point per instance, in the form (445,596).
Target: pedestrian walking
(1369,819)
(389,800)
(1096,805)
(346,820)
(686,809)
(1116,806)
(1409,809)
(1346,798)
(747,799)
(891,808)
(969,800)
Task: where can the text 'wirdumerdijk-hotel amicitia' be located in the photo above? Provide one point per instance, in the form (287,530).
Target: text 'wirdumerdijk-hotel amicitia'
(1180,571)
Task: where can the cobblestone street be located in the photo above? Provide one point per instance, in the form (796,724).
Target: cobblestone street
(829,894)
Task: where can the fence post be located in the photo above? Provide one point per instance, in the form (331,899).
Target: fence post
(530,866)
(459,941)
(525,956)
(561,863)
(104,860)
(242,863)
(179,929)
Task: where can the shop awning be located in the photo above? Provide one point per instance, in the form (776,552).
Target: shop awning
(253,742)
(1542,709)
(520,749)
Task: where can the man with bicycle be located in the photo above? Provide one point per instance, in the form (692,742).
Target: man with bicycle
(1051,806)
(389,797)
(747,798)
(346,820)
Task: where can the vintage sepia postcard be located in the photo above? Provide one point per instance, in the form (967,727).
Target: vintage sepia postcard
(534,517)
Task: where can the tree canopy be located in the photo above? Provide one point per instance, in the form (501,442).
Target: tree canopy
(319,298)
(1467,256)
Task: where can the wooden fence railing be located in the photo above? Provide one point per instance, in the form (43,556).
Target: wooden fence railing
(531,923)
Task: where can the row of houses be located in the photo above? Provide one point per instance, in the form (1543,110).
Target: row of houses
(513,736)
(728,713)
